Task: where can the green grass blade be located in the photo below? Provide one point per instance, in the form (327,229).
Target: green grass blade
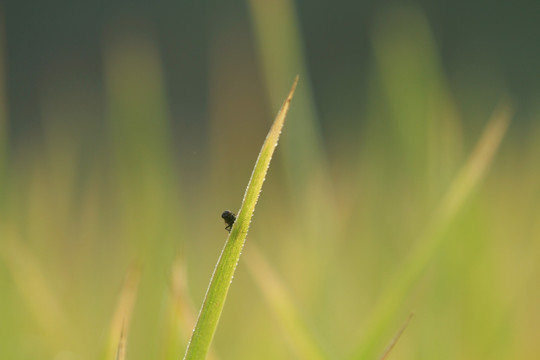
(223,273)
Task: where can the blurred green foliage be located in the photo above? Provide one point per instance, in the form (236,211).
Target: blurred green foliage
(115,178)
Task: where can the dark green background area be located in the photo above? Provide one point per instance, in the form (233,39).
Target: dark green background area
(476,41)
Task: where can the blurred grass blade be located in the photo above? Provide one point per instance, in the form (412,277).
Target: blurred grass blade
(274,292)
(279,42)
(396,338)
(121,352)
(467,178)
(181,315)
(280,48)
(122,315)
(35,288)
(474,169)
(223,273)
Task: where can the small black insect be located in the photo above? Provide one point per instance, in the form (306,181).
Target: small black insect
(229,218)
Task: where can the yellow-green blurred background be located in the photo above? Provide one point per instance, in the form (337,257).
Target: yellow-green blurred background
(127,127)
